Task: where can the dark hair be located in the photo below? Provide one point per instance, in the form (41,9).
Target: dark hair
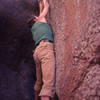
(36,12)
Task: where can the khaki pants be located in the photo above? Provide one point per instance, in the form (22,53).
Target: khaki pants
(45,69)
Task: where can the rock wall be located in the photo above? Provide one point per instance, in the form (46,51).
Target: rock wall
(76,27)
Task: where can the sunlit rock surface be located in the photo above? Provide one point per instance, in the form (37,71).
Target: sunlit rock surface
(76,26)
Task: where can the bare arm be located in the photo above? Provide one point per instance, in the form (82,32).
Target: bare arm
(45,9)
(43,12)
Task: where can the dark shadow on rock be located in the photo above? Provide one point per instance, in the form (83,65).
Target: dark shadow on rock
(55,97)
(17,68)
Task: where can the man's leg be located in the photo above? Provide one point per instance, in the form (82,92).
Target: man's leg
(45,98)
(38,83)
(48,71)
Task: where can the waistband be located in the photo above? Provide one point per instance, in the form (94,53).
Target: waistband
(44,40)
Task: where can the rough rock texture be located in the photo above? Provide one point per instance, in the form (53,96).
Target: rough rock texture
(76,26)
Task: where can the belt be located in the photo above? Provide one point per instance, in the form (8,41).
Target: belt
(45,40)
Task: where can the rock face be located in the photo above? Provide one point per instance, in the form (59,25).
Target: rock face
(76,27)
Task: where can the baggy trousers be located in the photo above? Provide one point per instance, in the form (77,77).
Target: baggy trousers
(45,69)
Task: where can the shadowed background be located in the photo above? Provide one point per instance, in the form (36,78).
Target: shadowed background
(17,70)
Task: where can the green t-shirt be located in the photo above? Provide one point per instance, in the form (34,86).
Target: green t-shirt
(40,31)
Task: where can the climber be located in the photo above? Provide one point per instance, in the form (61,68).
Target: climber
(43,54)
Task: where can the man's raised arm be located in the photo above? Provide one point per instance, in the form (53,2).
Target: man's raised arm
(45,9)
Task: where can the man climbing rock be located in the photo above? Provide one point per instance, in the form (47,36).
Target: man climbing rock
(43,54)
